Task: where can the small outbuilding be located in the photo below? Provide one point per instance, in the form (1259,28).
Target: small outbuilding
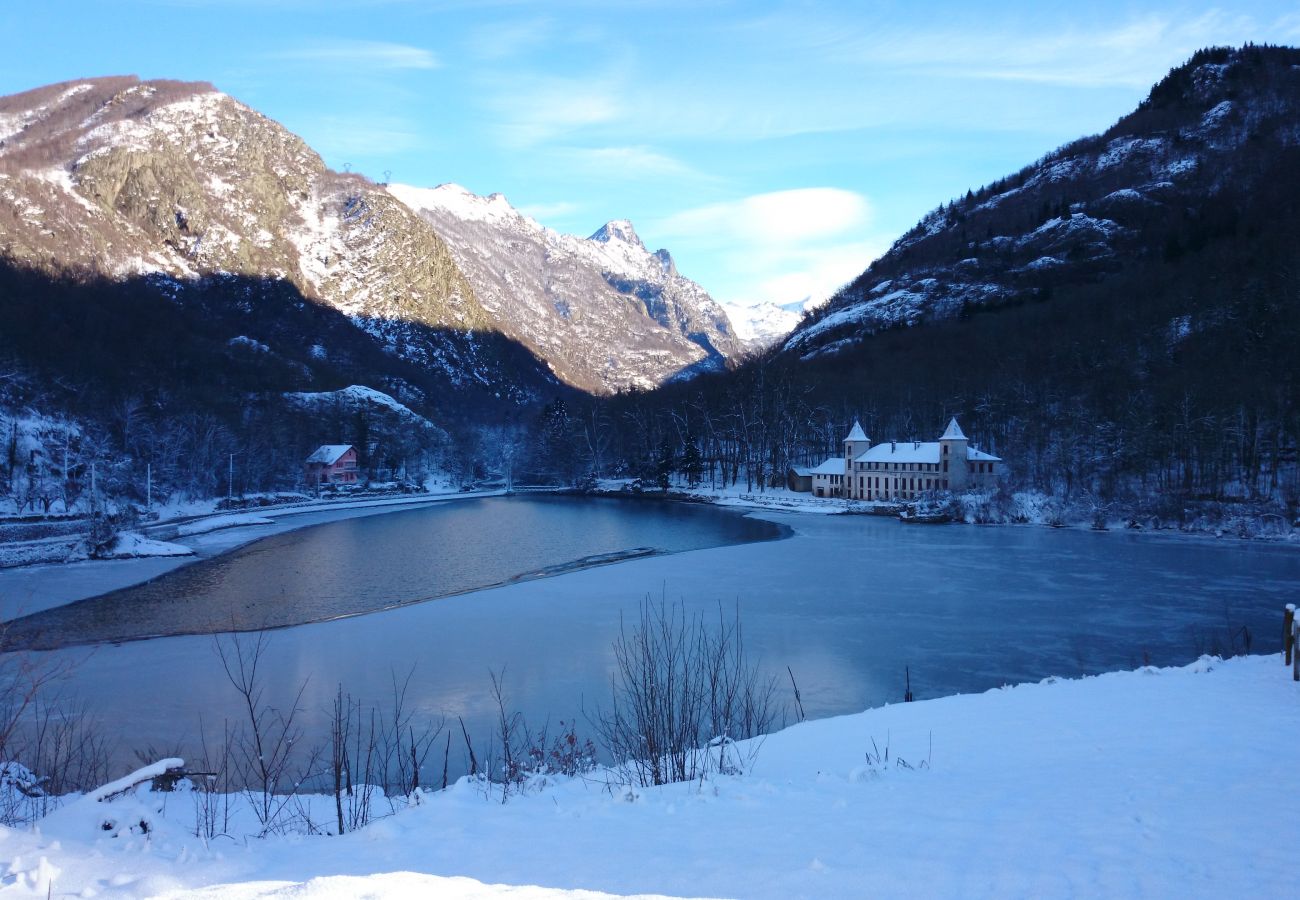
(332,464)
(799,478)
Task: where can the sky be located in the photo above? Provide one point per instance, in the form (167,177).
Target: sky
(775,148)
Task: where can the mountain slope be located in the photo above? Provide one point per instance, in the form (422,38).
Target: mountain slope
(1150,369)
(120,178)
(1159,183)
(605,312)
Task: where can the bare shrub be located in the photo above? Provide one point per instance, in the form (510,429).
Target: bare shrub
(376,754)
(50,745)
(521,758)
(264,757)
(682,695)
(212,786)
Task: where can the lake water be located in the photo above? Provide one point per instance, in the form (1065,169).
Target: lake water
(847,603)
(363,565)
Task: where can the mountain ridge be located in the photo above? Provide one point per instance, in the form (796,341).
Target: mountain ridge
(606,312)
(1083,210)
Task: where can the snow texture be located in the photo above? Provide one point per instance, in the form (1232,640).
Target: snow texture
(1090,787)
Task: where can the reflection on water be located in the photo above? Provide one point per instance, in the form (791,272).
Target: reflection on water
(362,565)
(847,604)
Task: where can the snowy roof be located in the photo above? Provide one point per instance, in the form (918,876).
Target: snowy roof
(902,452)
(329,454)
(834,465)
(802,471)
(917,452)
(857,434)
(953,432)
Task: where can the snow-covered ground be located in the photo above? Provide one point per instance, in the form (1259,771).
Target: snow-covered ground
(1150,783)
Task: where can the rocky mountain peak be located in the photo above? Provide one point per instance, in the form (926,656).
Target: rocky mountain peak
(618,230)
(604,312)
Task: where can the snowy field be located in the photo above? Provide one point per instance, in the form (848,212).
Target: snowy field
(1150,783)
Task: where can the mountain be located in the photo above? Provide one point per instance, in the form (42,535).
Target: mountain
(1159,184)
(606,313)
(181,187)
(761,325)
(1118,321)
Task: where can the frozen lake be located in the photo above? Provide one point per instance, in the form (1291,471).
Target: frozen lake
(846,603)
(363,565)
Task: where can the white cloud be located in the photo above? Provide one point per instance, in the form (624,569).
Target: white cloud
(780,246)
(778,217)
(370,55)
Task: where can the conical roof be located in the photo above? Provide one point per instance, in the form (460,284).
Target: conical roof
(953,432)
(857,434)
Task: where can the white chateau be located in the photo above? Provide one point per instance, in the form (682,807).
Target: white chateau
(904,470)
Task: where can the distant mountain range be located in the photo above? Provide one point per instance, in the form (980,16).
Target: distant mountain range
(176,182)
(604,312)
(1119,314)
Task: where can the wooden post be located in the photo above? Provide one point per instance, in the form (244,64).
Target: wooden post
(1288,625)
(1295,651)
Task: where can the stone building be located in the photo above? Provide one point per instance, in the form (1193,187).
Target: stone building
(904,470)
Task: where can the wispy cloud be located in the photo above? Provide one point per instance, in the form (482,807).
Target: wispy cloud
(628,162)
(1023,49)
(549,108)
(366,55)
(362,137)
(510,40)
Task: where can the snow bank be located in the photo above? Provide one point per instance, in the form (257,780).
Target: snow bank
(214,523)
(1102,786)
(130,545)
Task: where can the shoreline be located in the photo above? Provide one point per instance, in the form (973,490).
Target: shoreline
(81,585)
(72,581)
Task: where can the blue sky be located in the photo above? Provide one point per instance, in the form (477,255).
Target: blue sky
(774,148)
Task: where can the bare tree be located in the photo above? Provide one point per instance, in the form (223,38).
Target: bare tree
(682,694)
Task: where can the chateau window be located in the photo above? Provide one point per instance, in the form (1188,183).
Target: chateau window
(945,462)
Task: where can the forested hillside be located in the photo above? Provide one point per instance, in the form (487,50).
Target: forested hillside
(1157,352)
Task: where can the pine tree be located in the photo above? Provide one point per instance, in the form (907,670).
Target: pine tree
(692,462)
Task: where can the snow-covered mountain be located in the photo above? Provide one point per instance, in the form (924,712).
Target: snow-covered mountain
(1158,183)
(761,325)
(177,183)
(604,312)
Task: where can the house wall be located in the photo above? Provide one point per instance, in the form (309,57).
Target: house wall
(827,485)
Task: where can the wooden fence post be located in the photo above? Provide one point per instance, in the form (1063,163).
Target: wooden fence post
(1288,625)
